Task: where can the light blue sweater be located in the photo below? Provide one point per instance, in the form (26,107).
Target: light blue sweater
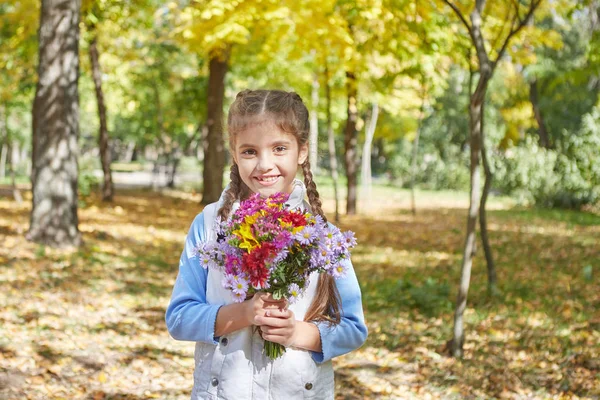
(190,317)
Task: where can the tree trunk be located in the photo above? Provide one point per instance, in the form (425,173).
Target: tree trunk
(172,164)
(13,182)
(351,143)
(4,145)
(331,145)
(314,126)
(54,219)
(130,151)
(415,153)
(156,171)
(486,70)
(3,158)
(10,154)
(366,155)
(475,108)
(214,156)
(489,177)
(107,188)
(542,131)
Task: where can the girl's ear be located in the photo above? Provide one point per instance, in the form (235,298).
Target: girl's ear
(302,154)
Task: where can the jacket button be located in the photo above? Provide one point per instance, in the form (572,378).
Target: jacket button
(214,381)
(224,341)
(308,386)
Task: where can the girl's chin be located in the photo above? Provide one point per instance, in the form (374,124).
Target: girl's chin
(268,191)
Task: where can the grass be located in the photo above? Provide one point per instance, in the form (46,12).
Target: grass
(88,323)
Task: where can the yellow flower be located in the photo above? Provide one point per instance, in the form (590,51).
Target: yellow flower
(271,204)
(251,219)
(285,225)
(248,241)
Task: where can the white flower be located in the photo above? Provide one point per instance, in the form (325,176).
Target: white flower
(295,293)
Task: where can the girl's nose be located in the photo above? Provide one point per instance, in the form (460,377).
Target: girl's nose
(265,163)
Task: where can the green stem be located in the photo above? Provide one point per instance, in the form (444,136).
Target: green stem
(273,350)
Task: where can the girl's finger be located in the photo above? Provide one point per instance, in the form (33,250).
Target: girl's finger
(272,331)
(276,313)
(272,322)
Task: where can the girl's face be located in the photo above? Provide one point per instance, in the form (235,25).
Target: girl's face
(268,158)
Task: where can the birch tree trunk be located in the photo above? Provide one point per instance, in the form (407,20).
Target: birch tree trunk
(3,158)
(54,219)
(366,178)
(489,177)
(107,187)
(415,154)
(4,145)
(331,145)
(456,346)
(486,70)
(314,126)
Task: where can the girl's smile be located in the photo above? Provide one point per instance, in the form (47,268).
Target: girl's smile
(268,158)
(267,180)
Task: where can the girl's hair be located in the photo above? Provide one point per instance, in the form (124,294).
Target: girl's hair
(287,111)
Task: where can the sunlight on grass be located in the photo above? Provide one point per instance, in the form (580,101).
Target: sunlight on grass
(74,323)
(373,259)
(546,230)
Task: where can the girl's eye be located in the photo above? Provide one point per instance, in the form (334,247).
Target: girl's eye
(280,149)
(248,152)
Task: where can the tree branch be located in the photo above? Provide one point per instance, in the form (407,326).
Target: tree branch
(522,23)
(516,4)
(479,5)
(478,41)
(461,17)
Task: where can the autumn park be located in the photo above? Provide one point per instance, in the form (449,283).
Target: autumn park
(459,140)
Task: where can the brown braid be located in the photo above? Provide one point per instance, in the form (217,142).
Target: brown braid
(233,193)
(311,191)
(320,310)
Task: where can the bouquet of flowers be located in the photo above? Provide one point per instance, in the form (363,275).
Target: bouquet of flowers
(265,246)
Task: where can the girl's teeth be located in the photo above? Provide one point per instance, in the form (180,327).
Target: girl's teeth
(270,179)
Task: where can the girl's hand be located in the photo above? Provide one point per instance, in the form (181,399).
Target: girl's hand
(259,304)
(278,326)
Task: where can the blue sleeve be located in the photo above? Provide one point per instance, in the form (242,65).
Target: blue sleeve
(189,316)
(351,332)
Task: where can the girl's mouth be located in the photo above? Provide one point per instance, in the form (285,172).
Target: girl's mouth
(267,180)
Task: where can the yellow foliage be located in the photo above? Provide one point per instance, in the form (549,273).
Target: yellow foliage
(517,119)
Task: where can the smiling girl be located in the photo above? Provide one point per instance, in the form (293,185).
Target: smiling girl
(268,141)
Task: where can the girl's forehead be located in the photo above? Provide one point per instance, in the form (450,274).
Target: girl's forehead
(263,131)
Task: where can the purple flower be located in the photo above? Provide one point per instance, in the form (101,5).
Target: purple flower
(281,255)
(232,264)
(350,238)
(239,285)
(306,235)
(239,297)
(339,270)
(283,240)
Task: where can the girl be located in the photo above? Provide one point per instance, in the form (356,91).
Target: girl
(268,141)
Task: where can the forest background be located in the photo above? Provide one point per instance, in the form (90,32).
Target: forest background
(459,139)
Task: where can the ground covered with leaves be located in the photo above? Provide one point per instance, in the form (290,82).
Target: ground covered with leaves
(89,323)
